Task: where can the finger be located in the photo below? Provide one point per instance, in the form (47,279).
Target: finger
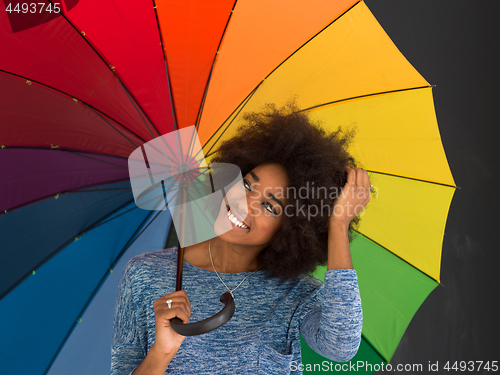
(367,186)
(182,301)
(166,299)
(360,177)
(175,294)
(188,302)
(178,300)
(181,312)
(351,174)
(179,297)
(177,310)
(367,183)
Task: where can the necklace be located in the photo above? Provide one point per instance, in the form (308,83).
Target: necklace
(230,290)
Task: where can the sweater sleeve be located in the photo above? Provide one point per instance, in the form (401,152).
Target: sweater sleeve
(332,319)
(126,350)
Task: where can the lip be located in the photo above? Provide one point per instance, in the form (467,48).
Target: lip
(234,226)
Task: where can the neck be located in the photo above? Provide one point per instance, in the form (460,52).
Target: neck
(230,258)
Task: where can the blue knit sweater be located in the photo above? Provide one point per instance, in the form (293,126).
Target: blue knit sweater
(262,337)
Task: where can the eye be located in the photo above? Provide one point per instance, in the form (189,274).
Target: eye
(269,207)
(247,185)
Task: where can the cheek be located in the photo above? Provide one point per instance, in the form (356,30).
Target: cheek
(270,226)
(255,208)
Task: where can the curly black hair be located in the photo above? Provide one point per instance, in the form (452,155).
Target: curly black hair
(311,157)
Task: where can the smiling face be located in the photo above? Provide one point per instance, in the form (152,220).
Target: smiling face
(265,186)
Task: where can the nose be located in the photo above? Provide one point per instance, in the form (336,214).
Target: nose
(240,207)
(238,200)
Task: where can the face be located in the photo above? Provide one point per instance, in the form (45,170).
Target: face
(265,188)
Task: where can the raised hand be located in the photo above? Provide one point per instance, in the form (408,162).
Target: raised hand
(354,196)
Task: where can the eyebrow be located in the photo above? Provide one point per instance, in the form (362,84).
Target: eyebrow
(271,196)
(276,200)
(254,176)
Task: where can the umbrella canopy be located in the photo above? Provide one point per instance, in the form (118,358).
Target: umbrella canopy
(82,88)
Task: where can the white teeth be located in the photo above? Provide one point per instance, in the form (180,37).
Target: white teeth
(236,221)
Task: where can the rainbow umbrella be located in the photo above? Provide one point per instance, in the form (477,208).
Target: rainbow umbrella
(84,85)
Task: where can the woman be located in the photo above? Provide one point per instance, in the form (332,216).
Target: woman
(263,261)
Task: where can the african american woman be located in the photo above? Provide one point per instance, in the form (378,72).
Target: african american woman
(265,261)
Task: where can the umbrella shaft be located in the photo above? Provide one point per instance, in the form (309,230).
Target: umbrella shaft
(180,250)
(180,261)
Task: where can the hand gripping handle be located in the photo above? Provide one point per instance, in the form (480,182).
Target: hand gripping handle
(209,324)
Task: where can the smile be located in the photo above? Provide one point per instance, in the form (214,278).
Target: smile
(236,223)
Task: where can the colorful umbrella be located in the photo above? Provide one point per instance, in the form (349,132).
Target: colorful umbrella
(83,87)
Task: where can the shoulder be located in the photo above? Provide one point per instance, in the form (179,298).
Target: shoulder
(147,264)
(301,288)
(336,282)
(309,282)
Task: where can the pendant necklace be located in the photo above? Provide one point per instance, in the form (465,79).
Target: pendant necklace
(230,290)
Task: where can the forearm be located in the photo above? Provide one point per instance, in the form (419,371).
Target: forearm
(339,252)
(155,363)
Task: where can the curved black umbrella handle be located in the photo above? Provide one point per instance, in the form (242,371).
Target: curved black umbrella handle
(209,324)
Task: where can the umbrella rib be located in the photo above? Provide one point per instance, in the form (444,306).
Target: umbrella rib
(123,213)
(55,252)
(81,189)
(127,92)
(145,155)
(310,39)
(95,110)
(83,102)
(245,101)
(65,192)
(76,153)
(413,178)
(203,98)
(174,115)
(365,96)
(134,102)
(170,92)
(79,153)
(205,91)
(173,161)
(374,348)
(96,224)
(248,97)
(385,248)
(131,243)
